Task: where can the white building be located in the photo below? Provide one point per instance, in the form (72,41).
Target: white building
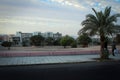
(24,36)
(57,35)
(21,38)
(49,34)
(38,33)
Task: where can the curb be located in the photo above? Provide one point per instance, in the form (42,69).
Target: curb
(113,60)
(45,64)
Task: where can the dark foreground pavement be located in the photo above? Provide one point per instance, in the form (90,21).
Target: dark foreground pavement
(107,70)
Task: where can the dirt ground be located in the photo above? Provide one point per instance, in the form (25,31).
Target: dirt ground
(52,48)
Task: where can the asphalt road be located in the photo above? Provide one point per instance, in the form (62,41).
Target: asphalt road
(109,70)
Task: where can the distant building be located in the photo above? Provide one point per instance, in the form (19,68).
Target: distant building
(1,38)
(4,37)
(57,35)
(11,37)
(16,40)
(38,33)
(24,37)
(49,34)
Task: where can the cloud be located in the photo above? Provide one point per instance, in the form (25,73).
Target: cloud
(70,3)
(32,20)
(101,4)
(31,24)
(59,15)
(79,4)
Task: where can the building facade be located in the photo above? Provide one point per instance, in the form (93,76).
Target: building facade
(4,37)
(24,38)
(57,35)
(49,34)
(21,38)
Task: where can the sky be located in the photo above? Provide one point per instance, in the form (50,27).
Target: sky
(64,16)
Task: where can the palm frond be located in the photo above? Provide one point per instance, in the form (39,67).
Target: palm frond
(101,23)
(112,18)
(96,13)
(107,12)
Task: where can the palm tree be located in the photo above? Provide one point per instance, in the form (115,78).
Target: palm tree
(102,24)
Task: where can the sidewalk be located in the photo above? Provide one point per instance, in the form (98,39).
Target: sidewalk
(11,61)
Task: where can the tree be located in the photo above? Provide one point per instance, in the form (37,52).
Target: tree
(66,41)
(74,44)
(49,41)
(118,38)
(37,40)
(102,24)
(84,39)
(7,44)
(57,42)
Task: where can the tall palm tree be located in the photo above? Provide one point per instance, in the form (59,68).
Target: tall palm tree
(102,24)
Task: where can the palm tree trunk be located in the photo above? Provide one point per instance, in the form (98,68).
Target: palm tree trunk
(102,50)
(103,53)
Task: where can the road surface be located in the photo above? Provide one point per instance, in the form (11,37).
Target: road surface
(108,70)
